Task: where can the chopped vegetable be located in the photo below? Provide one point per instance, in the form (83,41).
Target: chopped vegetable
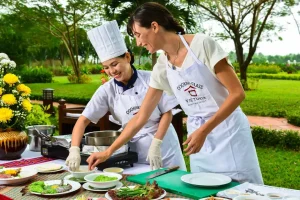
(40,187)
(103,178)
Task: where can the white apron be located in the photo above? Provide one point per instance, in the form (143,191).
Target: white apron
(229,148)
(126,105)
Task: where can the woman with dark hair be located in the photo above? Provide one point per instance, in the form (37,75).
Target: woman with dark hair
(195,69)
(156,143)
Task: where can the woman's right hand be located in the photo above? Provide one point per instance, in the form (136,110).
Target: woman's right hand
(96,158)
(73,160)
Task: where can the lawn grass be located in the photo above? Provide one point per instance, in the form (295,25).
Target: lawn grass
(276,98)
(280,168)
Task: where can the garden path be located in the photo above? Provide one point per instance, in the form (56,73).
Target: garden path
(266,122)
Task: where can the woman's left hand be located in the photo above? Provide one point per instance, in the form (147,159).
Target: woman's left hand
(96,158)
(195,142)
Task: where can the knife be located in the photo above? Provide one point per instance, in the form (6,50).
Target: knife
(161,172)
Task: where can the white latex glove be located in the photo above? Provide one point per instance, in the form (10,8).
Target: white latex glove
(73,160)
(154,154)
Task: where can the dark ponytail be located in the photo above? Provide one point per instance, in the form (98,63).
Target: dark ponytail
(131,55)
(151,11)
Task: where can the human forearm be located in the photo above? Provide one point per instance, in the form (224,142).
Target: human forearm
(229,105)
(78,130)
(138,121)
(164,124)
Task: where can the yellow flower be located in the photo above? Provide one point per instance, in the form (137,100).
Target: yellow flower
(24,89)
(27,105)
(10,79)
(9,99)
(1,91)
(5,115)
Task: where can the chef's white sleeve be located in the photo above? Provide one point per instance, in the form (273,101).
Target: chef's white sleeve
(97,106)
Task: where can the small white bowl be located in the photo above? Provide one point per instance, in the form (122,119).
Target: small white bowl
(291,198)
(250,197)
(275,195)
(107,184)
(116,170)
(83,171)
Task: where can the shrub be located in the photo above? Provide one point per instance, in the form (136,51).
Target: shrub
(84,70)
(294,119)
(287,68)
(37,116)
(61,70)
(94,69)
(264,68)
(276,138)
(82,79)
(147,66)
(36,75)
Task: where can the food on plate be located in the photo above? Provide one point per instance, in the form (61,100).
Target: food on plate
(83,197)
(76,179)
(213,198)
(40,187)
(10,173)
(48,167)
(103,178)
(139,192)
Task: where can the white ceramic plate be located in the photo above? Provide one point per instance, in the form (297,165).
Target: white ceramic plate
(70,176)
(75,186)
(50,171)
(206,179)
(162,196)
(215,198)
(25,175)
(86,186)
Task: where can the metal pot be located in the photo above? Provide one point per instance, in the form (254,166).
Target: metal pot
(35,137)
(101,138)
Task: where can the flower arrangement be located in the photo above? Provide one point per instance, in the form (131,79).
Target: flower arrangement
(14,97)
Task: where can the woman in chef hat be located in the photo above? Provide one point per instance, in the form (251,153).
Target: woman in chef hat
(157,142)
(195,69)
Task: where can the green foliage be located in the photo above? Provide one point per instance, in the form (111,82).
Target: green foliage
(94,69)
(147,66)
(253,83)
(279,167)
(294,119)
(61,70)
(36,75)
(84,78)
(37,116)
(288,68)
(85,70)
(275,76)
(276,138)
(264,68)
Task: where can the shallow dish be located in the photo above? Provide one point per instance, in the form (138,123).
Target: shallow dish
(275,195)
(117,170)
(87,187)
(69,177)
(25,175)
(106,184)
(49,168)
(83,171)
(75,186)
(162,196)
(251,197)
(206,179)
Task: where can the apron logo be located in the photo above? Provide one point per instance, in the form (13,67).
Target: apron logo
(191,90)
(132,109)
(190,84)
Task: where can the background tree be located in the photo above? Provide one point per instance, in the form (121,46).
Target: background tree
(122,9)
(245,22)
(62,19)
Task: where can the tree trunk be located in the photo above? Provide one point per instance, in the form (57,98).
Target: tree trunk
(61,56)
(154,59)
(243,73)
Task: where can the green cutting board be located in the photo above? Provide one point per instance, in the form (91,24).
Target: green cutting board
(171,182)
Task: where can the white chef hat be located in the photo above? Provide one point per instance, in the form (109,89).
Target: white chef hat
(107,40)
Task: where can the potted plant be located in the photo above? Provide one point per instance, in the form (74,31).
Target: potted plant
(14,107)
